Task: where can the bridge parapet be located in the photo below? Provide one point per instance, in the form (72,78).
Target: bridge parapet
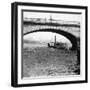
(50,20)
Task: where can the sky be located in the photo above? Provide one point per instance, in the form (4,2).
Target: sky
(57,16)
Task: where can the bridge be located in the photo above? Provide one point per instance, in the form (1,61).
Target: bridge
(69,29)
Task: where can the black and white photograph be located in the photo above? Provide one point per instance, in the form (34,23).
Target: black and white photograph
(51,44)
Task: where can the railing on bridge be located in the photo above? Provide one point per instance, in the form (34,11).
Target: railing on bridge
(51,22)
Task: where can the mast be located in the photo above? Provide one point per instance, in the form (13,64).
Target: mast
(50,19)
(55,40)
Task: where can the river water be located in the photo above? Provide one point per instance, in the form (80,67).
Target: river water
(39,60)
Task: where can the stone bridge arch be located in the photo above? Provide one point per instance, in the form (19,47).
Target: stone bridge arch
(68,35)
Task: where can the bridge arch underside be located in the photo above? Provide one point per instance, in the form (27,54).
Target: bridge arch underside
(69,36)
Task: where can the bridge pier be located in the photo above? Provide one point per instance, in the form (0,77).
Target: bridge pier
(74,46)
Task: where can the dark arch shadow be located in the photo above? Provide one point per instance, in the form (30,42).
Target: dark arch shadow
(71,37)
